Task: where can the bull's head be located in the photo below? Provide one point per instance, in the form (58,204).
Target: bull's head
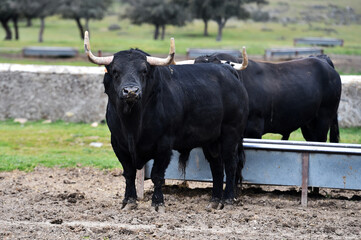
(127,72)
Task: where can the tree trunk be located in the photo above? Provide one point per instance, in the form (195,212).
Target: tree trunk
(16,28)
(221,25)
(163,31)
(42,27)
(81,29)
(156,32)
(8,35)
(29,23)
(205,33)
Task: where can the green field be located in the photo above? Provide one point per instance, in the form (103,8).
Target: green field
(68,145)
(255,36)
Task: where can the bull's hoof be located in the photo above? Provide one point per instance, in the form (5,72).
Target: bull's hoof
(130,204)
(229,201)
(214,204)
(159,208)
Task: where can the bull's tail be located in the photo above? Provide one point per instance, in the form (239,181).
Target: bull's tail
(183,159)
(327,59)
(334,130)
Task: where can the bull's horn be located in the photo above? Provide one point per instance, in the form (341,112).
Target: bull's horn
(240,66)
(185,62)
(164,61)
(91,57)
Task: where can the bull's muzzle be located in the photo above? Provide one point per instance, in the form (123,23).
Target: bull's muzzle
(131,93)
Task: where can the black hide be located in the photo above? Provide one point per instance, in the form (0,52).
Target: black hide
(175,107)
(303,93)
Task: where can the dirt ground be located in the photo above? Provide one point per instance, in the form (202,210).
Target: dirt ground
(85,203)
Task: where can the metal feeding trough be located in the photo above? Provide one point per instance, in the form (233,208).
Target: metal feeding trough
(49,52)
(286,163)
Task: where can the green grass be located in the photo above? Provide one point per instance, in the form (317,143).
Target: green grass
(64,144)
(57,144)
(255,36)
(347,135)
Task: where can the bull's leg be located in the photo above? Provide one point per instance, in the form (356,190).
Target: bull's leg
(240,165)
(130,196)
(217,170)
(129,173)
(161,163)
(229,155)
(285,136)
(255,128)
(316,130)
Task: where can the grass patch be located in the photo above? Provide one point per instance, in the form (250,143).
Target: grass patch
(56,144)
(347,135)
(61,32)
(65,144)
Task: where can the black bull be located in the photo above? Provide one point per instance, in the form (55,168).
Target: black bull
(154,109)
(283,97)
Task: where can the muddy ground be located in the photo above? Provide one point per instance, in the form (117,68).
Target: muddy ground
(85,203)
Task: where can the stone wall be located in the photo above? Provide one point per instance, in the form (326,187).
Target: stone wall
(77,94)
(349,111)
(52,92)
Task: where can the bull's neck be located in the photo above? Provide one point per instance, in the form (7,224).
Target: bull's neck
(132,119)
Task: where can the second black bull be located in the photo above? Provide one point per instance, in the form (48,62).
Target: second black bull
(303,93)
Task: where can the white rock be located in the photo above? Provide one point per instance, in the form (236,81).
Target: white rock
(21,120)
(96,144)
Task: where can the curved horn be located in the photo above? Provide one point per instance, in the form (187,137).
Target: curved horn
(164,61)
(240,66)
(91,57)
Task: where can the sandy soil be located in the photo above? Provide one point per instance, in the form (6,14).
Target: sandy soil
(84,203)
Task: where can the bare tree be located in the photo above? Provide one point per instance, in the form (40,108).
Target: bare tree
(83,9)
(157,12)
(9,11)
(202,9)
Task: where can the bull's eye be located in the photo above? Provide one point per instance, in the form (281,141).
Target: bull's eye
(115,74)
(144,71)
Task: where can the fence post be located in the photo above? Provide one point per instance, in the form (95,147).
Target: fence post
(305,165)
(140,183)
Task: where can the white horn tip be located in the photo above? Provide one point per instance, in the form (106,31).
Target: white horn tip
(86,42)
(172,46)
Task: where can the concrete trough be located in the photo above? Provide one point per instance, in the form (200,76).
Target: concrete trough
(290,53)
(317,41)
(50,52)
(285,163)
(193,53)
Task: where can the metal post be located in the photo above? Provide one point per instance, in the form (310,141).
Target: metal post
(140,183)
(305,163)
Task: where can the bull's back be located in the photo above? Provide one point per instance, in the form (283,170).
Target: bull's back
(212,95)
(289,94)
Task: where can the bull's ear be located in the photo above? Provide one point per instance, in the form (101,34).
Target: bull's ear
(106,69)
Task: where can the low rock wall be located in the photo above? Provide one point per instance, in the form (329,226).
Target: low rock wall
(76,94)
